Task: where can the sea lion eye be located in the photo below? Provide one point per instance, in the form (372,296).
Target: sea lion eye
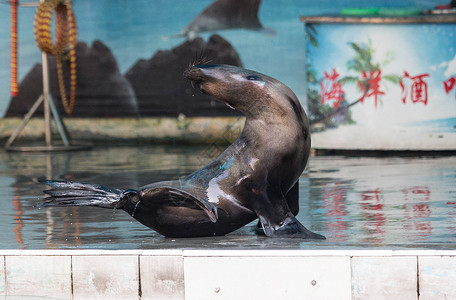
(252,77)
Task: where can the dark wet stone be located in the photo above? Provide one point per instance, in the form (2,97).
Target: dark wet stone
(101,90)
(161,89)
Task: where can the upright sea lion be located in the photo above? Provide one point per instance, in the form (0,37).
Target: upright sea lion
(255,177)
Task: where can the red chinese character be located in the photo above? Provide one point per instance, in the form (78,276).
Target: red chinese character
(418,87)
(449,85)
(331,89)
(373,85)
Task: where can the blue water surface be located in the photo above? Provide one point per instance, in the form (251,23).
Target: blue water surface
(356,202)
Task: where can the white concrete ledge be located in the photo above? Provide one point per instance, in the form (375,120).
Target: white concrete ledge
(228,252)
(228,274)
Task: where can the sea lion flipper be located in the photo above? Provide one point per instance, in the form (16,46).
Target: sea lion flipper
(292,198)
(278,221)
(290,227)
(177,197)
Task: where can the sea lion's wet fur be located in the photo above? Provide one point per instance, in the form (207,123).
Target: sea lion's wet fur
(256,177)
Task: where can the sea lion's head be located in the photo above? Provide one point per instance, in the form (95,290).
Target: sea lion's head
(254,94)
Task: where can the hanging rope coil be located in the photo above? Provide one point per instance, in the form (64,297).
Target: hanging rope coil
(65,39)
(14,84)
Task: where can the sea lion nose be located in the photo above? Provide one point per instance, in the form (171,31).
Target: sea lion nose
(190,71)
(195,72)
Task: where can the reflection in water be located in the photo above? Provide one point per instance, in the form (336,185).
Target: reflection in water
(401,202)
(77,227)
(418,216)
(409,213)
(49,229)
(18,219)
(354,202)
(374,217)
(333,200)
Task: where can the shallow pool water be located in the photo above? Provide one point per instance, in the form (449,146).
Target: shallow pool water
(356,202)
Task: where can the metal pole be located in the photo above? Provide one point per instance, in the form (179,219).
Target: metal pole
(58,122)
(24,121)
(28,4)
(47,111)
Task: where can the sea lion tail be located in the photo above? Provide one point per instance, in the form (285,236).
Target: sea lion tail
(67,193)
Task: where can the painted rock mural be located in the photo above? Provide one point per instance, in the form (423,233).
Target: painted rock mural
(153,87)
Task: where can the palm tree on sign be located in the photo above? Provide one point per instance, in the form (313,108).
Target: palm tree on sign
(369,77)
